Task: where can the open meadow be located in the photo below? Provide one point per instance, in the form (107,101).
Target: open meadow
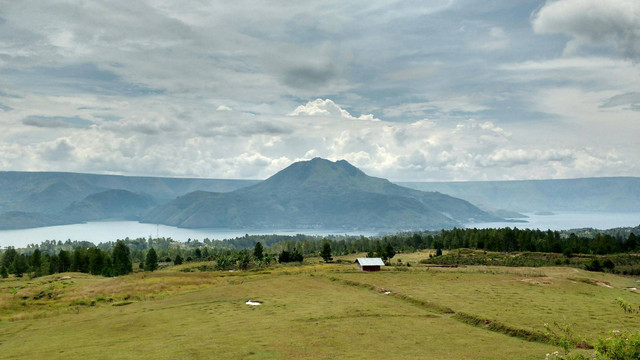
(312,311)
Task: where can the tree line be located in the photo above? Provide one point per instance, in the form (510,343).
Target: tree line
(503,240)
(90,260)
(117,258)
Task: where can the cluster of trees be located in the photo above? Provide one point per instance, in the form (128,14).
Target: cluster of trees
(90,260)
(293,256)
(387,252)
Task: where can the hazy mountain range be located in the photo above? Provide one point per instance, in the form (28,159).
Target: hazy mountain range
(33,199)
(309,194)
(609,194)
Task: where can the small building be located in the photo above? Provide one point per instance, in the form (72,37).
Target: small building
(369,264)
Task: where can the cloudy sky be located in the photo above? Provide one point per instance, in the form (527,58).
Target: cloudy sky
(407,90)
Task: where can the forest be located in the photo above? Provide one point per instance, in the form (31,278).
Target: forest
(590,249)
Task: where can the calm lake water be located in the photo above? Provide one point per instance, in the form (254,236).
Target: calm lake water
(567,221)
(104,231)
(98,232)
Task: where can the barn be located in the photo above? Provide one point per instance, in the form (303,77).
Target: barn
(369,264)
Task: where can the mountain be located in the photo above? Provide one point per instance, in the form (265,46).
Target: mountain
(319,194)
(611,194)
(315,193)
(110,204)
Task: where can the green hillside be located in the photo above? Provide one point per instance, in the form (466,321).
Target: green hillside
(34,199)
(319,194)
(109,204)
(50,192)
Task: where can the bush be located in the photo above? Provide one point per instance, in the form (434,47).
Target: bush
(594,265)
(608,264)
(619,346)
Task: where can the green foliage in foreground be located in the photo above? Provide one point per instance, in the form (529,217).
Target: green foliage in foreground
(617,346)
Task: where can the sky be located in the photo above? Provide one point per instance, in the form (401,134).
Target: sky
(407,90)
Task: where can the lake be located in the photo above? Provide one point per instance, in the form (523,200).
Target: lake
(568,220)
(103,231)
(97,232)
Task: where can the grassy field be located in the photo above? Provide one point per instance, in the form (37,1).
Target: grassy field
(311,311)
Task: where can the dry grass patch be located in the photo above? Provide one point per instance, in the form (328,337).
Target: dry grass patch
(61,293)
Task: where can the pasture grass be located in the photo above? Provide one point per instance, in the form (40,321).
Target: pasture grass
(309,311)
(524,298)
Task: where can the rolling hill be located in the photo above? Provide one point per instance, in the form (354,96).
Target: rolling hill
(119,204)
(35,199)
(51,192)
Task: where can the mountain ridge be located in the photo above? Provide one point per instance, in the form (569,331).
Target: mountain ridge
(319,194)
(34,199)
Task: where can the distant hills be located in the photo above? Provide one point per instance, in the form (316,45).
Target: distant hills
(612,194)
(34,199)
(115,203)
(309,194)
(319,194)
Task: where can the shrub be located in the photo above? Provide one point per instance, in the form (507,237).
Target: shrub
(608,264)
(594,265)
(619,346)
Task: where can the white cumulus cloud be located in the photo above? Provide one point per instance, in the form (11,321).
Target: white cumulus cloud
(320,107)
(593,22)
